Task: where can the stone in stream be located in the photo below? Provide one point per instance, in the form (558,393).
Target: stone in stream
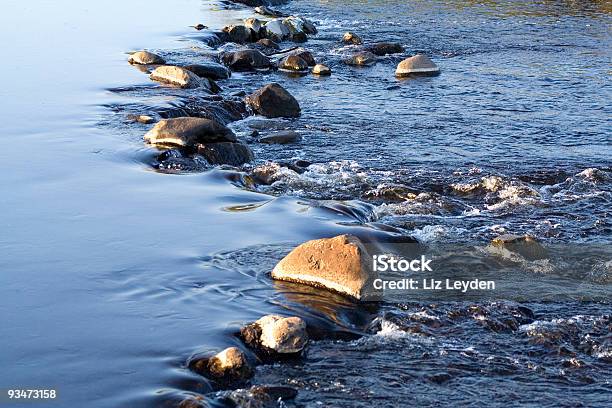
(246,60)
(274,101)
(293,63)
(268,43)
(266,11)
(417,65)
(254,25)
(275,337)
(385,48)
(351,38)
(234,154)
(282,137)
(340,264)
(238,33)
(276,30)
(321,69)
(144,119)
(177,76)
(210,70)
(227,368)
(258,396)
(361,59)
(145,58)
(524,245)
(199,27)
(188,131)
(298,28)
(305,55)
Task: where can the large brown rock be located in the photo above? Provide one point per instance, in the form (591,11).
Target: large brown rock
(146,58)
(417,65)
(274,101)
(234,154)
(230,366)
(246,60)
(340,264)
(305,55)
(293,63)
(188,132)
(178,76)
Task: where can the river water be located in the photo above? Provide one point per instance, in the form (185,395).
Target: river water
(114,271)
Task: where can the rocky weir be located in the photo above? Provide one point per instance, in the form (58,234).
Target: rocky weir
(198,134)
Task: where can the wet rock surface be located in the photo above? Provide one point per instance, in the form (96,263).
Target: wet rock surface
(210,70)
(180,77)
(246,60)
(275,337)
(146,58)
(417,65)
(283,137)
(385,48)
(227,368)
(361,59)
(188,132)
(274,101)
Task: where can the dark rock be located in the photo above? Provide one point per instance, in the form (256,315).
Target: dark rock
(238,33)
(266,11)
(246,60)
(384,48)
(283,137)
(234,154)
(210,70)
(361,59)
(305,55)
(199,27)
(227,368)
(299,37)
(188,132)
(274,101)
(275,392)
(351,38)
(268,43)
(293,63)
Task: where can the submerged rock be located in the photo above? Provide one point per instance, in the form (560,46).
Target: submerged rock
(274,101)
(234,154)
(178,76)
(417,65)
(246,60)
(361,59)
(321,69)
(340,264)
(268,43)
(226,368)
(144,119)
(282,137)
(276,337)
(146,58)
(259,396)
(351,38)
(525,245)
(238,33)
(188,132)
(210,70)
(384,48)
(293,63)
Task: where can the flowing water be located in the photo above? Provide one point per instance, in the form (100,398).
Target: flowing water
(118,265)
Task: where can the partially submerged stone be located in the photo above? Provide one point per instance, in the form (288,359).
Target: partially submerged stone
(293,63)
(210,70)
(234,154)
(144,119)
(361,59)
(177,76)
(267,11)
(274,101)
(305,55)
(258,396)
(146,58)
(282,137)
(417,65)
(268,43)
(351,38)
(254,25)
(276,30)
(276,337)
(246,60)
(384,48)
(238,33)
(340,264)
(229,367)
(321,69)
(188,132)
(524,245)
